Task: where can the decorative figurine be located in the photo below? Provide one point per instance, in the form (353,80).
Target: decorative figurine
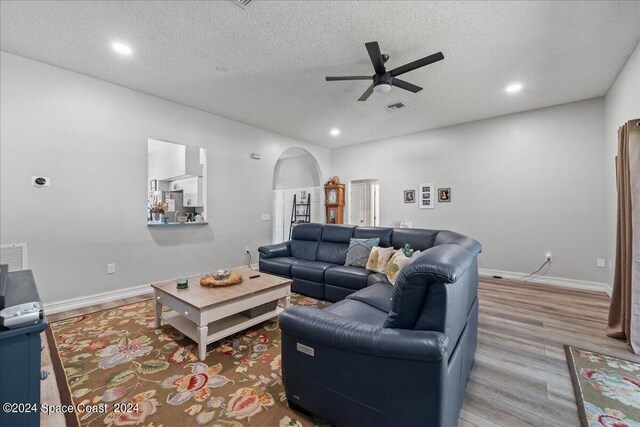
(406,249)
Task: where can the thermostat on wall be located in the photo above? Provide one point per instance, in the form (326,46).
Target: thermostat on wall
(40,181)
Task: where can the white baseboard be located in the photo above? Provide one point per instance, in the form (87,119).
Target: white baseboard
(608,288)
(79,302)
(548,280)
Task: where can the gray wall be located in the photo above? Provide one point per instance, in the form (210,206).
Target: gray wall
(90,137)
(622,103)
(521,184)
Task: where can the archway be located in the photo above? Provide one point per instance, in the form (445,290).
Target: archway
(296,172)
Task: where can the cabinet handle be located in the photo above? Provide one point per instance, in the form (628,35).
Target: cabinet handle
(186,313)
(158,298)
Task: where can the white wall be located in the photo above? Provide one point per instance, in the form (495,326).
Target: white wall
(521,184)
(622,104)
(91,137)
(296,172)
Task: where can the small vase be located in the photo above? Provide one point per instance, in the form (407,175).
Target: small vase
(156,217)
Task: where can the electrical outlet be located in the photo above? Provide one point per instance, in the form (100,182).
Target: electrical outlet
(111,268)
(266,217)
(601,263)
(548,256)
(247,249)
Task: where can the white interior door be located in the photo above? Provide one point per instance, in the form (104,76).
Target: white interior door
(359,204)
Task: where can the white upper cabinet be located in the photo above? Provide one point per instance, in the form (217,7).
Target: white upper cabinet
(192,191)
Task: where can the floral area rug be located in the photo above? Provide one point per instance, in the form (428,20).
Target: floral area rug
(116,360)
(607,388)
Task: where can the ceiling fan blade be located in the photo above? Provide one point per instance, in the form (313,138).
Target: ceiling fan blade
(417,64)
(334,79)
(405,85)
(367,93)
(376,57)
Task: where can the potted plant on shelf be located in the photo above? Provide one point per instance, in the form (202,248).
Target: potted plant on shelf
(157,210)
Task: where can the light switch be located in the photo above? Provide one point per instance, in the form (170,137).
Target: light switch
(601,263)
(266,217)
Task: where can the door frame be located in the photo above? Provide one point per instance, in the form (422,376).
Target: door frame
(373,204)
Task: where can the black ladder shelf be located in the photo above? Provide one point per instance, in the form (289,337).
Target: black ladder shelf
(300,218)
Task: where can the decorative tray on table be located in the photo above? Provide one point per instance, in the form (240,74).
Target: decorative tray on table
(220,278)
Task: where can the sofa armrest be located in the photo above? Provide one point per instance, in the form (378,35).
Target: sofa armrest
(275,251)
(443,264)
(332,330)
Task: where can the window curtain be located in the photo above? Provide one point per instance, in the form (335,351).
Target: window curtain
(624,311)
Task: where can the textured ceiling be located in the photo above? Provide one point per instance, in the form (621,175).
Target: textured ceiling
(278,52)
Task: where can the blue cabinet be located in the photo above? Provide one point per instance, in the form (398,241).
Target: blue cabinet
(20,354)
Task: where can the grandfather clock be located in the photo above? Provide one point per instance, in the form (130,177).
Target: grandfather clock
(334,201)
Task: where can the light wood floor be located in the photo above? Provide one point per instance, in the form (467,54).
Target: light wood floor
(520,376)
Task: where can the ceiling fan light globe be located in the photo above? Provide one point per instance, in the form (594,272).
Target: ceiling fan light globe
(382,88)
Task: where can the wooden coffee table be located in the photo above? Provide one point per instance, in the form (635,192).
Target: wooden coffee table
(209,314)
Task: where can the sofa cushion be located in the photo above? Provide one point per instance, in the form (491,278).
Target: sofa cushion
(359,311)
(309,288)
(378,296)
(384,234)
(307,232)
(278,266)
(378,259)
(336,293)
(418,238)
(376,278)
(396,263)
(347,277)
(310,270)
(334,243)
(304,241)
(359,251)
(337,233)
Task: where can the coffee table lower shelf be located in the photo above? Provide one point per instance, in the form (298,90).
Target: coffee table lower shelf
(220,328)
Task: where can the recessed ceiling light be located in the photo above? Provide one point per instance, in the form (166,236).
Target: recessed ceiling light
(335,132)
(121,48)
(514,87)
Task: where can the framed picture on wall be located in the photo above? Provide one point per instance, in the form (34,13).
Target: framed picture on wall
(426,199)
(153,185)
(409,196)
(444,195)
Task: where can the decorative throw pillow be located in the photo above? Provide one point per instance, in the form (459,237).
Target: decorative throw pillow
(397,262)
(379,258)
(359,251)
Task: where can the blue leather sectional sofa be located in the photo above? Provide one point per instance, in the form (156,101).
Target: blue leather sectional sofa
(383,355)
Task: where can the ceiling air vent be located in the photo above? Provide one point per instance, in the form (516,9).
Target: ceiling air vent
(395,107)
(242,3)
